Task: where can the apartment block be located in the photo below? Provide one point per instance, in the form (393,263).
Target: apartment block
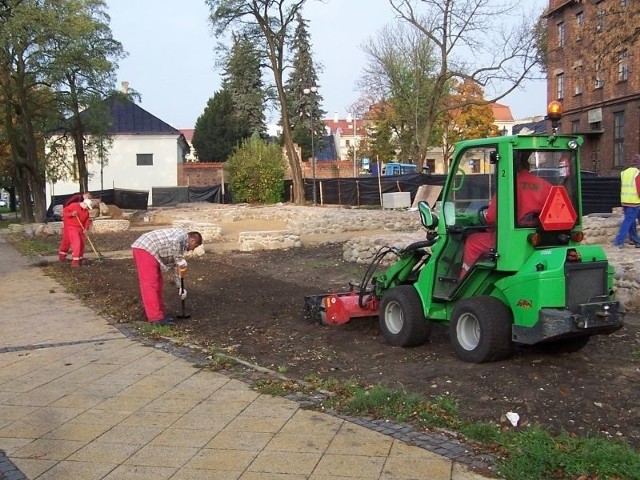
(593,68)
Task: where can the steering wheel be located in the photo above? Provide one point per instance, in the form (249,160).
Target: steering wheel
(482,214)
(460,174)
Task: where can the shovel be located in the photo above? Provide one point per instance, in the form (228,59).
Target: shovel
(182,271)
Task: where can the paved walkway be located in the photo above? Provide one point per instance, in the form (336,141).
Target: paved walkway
(80,400)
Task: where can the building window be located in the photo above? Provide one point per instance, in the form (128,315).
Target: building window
(144,159)
(599,81)
(575,126)
(560,86)
(561,35)
(577,79)
(618,139)
(623,66)
(577,90)
(579,24)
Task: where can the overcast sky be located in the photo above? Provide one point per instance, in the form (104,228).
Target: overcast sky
(171,60)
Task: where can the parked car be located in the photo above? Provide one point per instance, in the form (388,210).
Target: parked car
(3,203)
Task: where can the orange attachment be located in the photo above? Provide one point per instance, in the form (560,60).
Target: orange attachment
(182,271)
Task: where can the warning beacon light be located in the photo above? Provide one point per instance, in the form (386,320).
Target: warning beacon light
(554,113)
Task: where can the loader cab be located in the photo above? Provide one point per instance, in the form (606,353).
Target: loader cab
(498,211)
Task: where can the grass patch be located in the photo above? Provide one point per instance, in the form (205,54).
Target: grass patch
(529,452)
(535,454)
(163,330)
(8,220)
(219,362)
(31,246)
(279,388)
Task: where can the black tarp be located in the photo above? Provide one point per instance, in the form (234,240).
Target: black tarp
(166,196)
(125,199)
(600,194)
(364,190)
(212,194)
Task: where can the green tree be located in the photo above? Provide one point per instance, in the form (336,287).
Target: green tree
(217,131)
(243,80)
(382,145)
(475,40)
(28,109)
(267,23)
(256,171)
(40,44)
(82,73)
(304,105)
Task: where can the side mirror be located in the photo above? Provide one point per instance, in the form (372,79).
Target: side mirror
(427,218)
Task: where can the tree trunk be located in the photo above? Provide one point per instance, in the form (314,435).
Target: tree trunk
(77,133)
(24,192)
(292,155)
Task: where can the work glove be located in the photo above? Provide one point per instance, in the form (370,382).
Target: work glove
(182,293)
(182,263)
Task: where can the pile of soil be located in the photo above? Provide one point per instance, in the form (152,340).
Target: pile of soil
(251,305)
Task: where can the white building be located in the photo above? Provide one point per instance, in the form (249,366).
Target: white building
(145,153)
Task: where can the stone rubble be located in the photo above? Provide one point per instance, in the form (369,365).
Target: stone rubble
(403,227)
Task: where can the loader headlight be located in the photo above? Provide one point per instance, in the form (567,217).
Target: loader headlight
(572,144)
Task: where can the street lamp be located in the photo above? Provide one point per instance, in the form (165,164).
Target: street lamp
(504,131)
(355,138)
(308,91)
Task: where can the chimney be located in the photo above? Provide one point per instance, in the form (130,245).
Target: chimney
(124,87)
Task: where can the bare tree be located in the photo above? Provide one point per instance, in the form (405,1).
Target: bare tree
(470,44)
(399,73)
(268,23)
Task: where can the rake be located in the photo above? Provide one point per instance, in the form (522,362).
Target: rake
(99,256)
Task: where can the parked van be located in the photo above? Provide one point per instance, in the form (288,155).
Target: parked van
(395,168)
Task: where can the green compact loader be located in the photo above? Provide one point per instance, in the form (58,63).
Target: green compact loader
(537,284)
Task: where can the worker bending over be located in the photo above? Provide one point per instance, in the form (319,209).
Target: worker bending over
(156,252)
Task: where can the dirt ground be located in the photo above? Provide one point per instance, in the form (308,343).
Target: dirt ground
(251,305)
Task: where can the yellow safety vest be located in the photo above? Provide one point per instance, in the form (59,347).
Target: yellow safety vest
(628,190)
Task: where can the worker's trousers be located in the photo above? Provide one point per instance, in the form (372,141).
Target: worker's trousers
(150,280)
(64,243)
(75,237)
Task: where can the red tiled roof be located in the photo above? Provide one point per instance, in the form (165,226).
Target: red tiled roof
(188,133)
(345,126)
(501,113)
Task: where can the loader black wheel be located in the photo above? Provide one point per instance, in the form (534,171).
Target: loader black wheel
(402,319)
(565,345)
(480,329)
